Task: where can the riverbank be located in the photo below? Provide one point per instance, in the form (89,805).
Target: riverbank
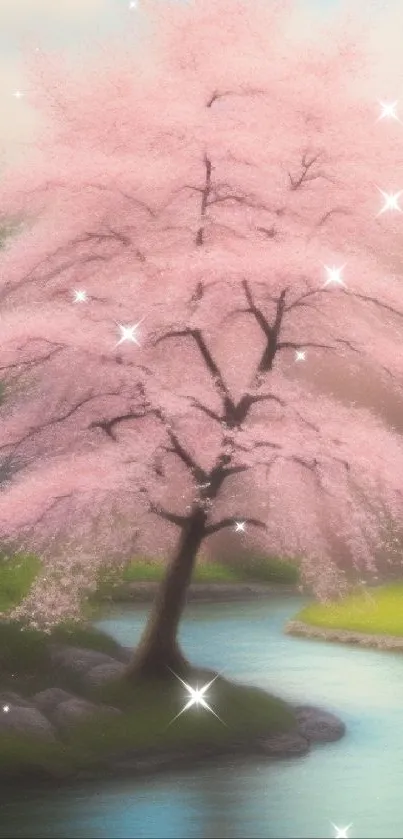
(68,713)
(345,636)
(367,617)
(144,592)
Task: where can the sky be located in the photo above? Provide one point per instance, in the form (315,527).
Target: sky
(76,25)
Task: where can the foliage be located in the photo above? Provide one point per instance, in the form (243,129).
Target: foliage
(255,567)
(377,611)
(17,573)
(208,224)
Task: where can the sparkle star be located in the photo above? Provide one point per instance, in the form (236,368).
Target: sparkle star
(240,527)
(341,832)
(133,4)
(18,94)
(391,201)
(197,698)
(80,296)
(300,355)
(388,111)
(127,333)
(6,708)
(333,276)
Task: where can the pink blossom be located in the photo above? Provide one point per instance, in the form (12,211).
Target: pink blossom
(202,199)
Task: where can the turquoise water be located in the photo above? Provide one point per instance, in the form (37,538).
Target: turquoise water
(358,780)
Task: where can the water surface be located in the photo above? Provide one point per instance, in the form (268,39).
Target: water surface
(358,780)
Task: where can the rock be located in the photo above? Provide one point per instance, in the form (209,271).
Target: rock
(78,660)
(318,726)
(104,673)
(75,710)
(47,700)
(8,697)
(290,744)
(26,720)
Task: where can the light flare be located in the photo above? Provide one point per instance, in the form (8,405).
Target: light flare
(334,276)
(127,333)
(391,201)
(342,832)
(197,697)
(388,111)
(80,296)
(240,526)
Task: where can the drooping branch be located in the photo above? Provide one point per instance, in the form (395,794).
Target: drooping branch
(177,448)
(204,200)
(33,361)
(205,353)
(231,521)
(10,287)
(54,503)
(306,174)
(216,96)
(160,511)
(108,425)
(287,345)
(52,422)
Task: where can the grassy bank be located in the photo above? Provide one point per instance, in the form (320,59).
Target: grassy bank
(145,724)
(18,572)
(248,569)
(377,611)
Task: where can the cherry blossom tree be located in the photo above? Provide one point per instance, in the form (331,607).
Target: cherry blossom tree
(202,240)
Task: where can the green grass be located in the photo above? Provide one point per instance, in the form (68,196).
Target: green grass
(376,611)
(147,710)
(145,725)
(17,573)
(143,571)
(266,569)
(25,665)
(246,569)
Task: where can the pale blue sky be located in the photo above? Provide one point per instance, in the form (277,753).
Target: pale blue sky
(76,25)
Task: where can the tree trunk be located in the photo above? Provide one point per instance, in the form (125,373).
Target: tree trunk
(158,652)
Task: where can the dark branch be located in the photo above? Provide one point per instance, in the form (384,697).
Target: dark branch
(108,425)
(204,200)
(180,521)
(230,522)
(48,509)
(37,429)
(205,353)
(284,345)
(205,410)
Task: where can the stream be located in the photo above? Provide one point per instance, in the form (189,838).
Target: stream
(357,780)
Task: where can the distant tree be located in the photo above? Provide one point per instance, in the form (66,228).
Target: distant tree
(163,318)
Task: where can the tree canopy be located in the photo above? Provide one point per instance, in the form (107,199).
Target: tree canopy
(201,235)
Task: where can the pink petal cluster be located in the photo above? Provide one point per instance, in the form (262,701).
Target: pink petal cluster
(201,199)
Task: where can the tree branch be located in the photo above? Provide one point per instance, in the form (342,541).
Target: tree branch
(205,353)
(108,425)
(173,518)
(230,522)
(284,345)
